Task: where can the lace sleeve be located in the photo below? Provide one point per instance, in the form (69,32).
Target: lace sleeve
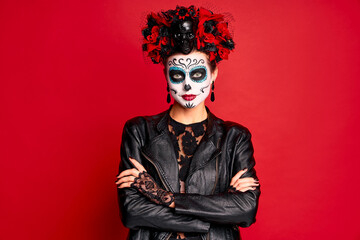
(145,184)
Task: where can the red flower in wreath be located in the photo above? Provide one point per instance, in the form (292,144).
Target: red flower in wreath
(223,30)
(155,56)
(164,40)
(159,19)
(206,15)
(200,44)
(153,36)
(224,52)
(212,56)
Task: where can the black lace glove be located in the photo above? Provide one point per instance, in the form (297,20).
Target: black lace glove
(145,184)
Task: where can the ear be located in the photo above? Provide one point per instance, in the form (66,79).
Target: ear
(214,74)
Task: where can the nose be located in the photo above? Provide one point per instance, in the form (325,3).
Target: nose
(187,87)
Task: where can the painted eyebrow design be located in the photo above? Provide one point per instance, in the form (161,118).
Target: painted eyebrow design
(197,67)
(176,68)
(189,62)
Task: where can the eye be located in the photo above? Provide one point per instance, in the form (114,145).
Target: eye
(198,74)
(176,76)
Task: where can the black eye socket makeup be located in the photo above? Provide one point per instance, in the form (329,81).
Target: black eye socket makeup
(198,74)
(176,76)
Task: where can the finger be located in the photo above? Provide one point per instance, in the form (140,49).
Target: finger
(250,185)
(127,172)
(126,179)
(137,164)
(124,173)
(234,180)
(246,189)
(246,183)
(238,175)
(245,180)
(131,171)
(124,185)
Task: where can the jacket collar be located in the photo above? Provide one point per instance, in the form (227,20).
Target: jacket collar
(160,151)
(210,130)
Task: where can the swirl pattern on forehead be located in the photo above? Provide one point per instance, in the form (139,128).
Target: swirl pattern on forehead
(189,62)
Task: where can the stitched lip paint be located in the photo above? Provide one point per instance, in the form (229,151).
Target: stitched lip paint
(188,97)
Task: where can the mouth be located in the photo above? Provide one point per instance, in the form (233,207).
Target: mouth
(188,97)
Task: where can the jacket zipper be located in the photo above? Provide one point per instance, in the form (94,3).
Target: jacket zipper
(163,182)
(217,174)
(152,162)
(167,188)
(168,236)
(216,180)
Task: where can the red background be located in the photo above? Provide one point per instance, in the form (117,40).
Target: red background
(72,72)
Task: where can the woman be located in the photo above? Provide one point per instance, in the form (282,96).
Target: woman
(185,173)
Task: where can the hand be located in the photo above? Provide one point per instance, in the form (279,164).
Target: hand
(242,184)
(127,177)
(141,180)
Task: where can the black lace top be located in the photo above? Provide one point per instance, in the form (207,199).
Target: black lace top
(185,138)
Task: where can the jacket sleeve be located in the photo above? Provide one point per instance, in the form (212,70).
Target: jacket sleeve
(238,208)
(136,210)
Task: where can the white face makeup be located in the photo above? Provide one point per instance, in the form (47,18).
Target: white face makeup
(189,77)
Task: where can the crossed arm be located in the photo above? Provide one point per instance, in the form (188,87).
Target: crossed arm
(136,209)
(141,180)
(147,205)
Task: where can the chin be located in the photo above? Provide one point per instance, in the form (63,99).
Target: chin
(189,105)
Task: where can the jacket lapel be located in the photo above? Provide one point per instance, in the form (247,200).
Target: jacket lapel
(162,153)
(207,148)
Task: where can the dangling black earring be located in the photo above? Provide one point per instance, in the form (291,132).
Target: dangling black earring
(212,93)
(168,95)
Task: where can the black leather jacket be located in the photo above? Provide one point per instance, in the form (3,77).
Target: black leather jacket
(206,207)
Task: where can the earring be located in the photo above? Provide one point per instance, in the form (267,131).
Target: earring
(212,98)
(168,95)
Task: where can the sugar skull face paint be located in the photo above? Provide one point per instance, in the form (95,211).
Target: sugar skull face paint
(189,78)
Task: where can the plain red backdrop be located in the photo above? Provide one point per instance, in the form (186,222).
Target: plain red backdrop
(72,72)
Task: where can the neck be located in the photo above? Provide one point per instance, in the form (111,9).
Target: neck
(188,115)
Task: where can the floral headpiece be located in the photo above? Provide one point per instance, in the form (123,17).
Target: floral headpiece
(182,29)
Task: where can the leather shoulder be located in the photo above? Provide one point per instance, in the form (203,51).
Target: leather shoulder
(236,126)
(144,119)
(236,130)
